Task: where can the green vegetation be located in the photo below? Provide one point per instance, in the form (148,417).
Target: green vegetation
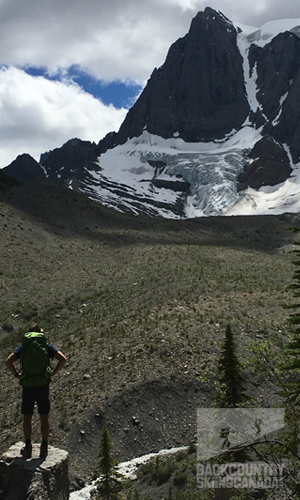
(289,371)
(170,477)
(133,299)
(291,363)
(178,472)
(7,182)
(109,483)
(230,386)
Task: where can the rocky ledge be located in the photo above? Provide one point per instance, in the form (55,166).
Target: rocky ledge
(45,479)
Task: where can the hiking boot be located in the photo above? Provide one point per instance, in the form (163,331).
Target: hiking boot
(27,450)
(44,449)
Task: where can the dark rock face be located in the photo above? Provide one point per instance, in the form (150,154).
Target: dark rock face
(278,80)
(108,142)
(270,166)
(288,128)
(24,168)
(277,64)
(199,92)
(199,95)
(179,186)
(62,163)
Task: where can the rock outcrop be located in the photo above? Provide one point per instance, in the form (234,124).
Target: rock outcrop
(199,92)
(24,168)
(35,478)
(62,163)
(270,167)
(278,82)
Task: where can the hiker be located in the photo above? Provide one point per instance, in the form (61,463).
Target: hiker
(35,354)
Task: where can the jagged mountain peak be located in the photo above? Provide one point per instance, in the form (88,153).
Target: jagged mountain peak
(198,93)
(215,131)
(24,168)
(69,159)
(211,17)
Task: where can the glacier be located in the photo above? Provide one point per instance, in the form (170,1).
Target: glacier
(174,179)
(124,178)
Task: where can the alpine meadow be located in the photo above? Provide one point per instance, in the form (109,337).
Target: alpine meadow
(139,306)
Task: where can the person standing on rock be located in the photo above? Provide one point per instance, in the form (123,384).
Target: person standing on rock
(34,354)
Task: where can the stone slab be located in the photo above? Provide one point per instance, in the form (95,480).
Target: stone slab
(55,457)
(34,478)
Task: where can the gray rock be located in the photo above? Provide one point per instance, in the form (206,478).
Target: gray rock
(62,162)
(34,478)
(278,78)
(199,92)
(270,166)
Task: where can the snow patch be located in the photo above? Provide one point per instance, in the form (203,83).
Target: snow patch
(262,36)
(275,200)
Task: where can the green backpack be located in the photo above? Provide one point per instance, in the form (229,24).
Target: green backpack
(35,362)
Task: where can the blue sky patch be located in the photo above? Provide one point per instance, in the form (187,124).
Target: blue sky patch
(118,93)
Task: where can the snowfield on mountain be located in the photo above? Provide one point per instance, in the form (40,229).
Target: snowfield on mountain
(216,130)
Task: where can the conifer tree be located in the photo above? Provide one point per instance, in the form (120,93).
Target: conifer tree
(109,483)
(230,386)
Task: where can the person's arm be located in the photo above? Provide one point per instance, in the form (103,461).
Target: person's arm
(10,364)
(61,362)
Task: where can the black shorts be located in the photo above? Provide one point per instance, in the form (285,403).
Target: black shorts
(40,395)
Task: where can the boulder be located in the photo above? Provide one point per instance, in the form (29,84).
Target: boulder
(34,478)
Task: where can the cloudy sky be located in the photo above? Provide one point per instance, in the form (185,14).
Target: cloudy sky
(72,68)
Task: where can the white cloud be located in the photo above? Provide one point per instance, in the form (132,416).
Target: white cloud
(117,39)
(37,115)
(111,40)
(257,12)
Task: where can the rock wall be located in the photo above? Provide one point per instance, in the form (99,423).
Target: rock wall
(35,478)
(61,163)
(199,92)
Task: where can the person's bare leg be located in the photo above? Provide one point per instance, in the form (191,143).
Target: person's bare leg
(27,427)
(45,427)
